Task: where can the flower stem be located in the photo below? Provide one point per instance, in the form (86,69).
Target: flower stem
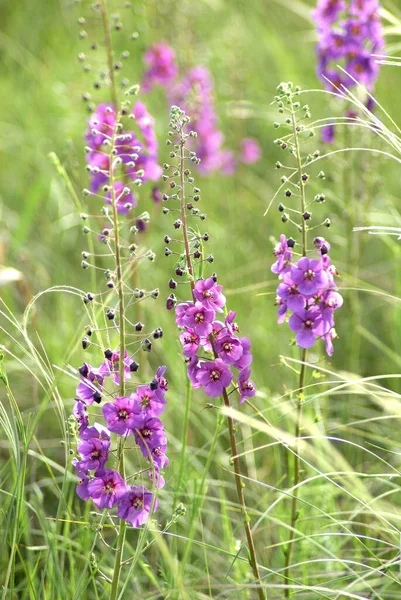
(120,291)
(183,213)
(241,499)
(298,424)
(297,462)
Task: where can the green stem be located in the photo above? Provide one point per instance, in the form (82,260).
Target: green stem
(109,52)
(297,470)
(298,424)
(184,441)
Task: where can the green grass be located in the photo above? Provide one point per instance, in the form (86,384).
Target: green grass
(347,538)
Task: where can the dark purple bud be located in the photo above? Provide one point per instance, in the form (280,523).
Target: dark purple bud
(190,206)
(305,177)
(307,215)
(172,284)
(85,343)
(84,370)
(290,243)
(167,252)
(97,396)
(154,384)
(139,326)
(108,354)
(197,254)
(110,314)
(171,302)
(205,237)
(179,272)
(281,207)
(167,239)
(146,345)
(288,193)
(177,224)
(133,367)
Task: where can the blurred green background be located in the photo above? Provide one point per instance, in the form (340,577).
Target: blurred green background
(249,48)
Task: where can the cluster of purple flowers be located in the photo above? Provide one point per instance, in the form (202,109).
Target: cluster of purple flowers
(193,92)
(348,34)
(201,330)
(135,415)
(308,290)
(132,156)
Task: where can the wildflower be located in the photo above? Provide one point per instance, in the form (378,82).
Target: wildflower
(250,151)
(91,385)
(80,413)
(106,488)
(119,414)
(162,69)
(284,256)
(121,198)
(149,434)
(190,341)
(309,276)
(246,387)
(210,294)
(111,366)
(83,475)
(94,449)
(147,402)
(308,325)
(199,318)
(214,376)
(135,504)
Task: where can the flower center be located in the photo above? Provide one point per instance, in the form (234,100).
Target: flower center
(123,415)
(146,433)
(207,294)
(109,487)
(215,375)
(145,400)
(95,454)
(308,323)
(199,317)
(309,274)
(137,503)
(227,347)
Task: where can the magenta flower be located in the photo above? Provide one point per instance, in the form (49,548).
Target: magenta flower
(250,151)
(193,371)
(111,366)
(135,504)
(93,450)
(284,256)
(309,276)
(146,402)
(199,318)
(101,125)
(158,457)
(229,349)
(83,475)
(91,385)
(290,294)
(106,488)
(209,293)
(149,434)
(180,312)
(162,383)
(214,376)
(80,413)
(162,69)
(308,325)
(246,357)
(331,301)
(119,415)
(190,342)
(246,387)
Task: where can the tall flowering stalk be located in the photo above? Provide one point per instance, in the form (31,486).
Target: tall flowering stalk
(349,34)
(307,288)
(193,90)
(225,355)
(119,158)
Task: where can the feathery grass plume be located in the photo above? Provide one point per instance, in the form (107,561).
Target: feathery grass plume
(307,286)
(119,158)
(217,357)
(194,92)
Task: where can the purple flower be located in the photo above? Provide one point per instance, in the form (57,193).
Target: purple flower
(209,293)
(158,457)
(214,376)
(93,450)
(283,254)
(119,414)
(328,11)
(246,358)
(246,387)
(111,366)
(229,349)
(83,475)
(282,311)
(149,434)
(146,124)
(309,276)
(321,246)
(162,383)
(162,69)
(135,504)
(180,312)
(106,488)
(99,163)
(157,478)
(147,402)
(190,342)
(288,292)
(250,151)
(123,196)
(91,385)
(199,318)
(80,413)
(308,325)
(328,134)
(330,301)
(193,371)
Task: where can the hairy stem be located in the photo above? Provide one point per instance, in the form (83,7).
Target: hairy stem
(183,213)
(109,52)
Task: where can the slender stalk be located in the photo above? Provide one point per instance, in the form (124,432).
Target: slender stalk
(297,462)
(241,499)
(231,427)
(298,423)
(120,291)
(184,440)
